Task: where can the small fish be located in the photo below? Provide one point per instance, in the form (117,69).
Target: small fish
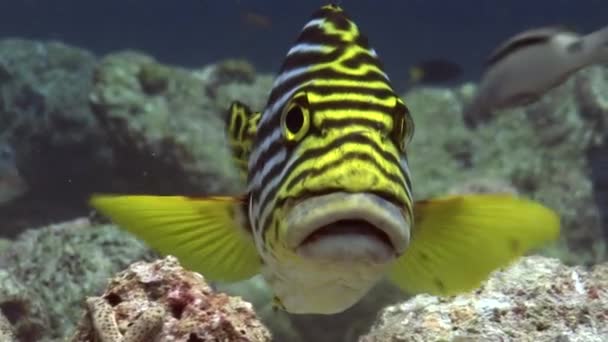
(329,209)
(12,185)
(256,20)
(522,69)
(434,71)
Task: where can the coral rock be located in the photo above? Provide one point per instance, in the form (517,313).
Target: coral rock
(483,186)
(45,117)
(161,126)
(6,330)
(161,301)
(536,299)
(525,149)
(58,265)
(21,311)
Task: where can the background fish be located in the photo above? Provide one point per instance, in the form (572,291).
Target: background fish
(256,20)
(12,184)
(329,208)
(434,71)
(529,64)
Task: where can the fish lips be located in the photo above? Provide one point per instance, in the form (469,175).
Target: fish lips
(348,227)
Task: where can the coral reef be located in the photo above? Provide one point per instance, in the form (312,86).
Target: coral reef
(75,258)
(162,300)
(225,72)
(64,263)
(127,123)
(101,321)
(252,94)
(44,116)
(22,314)
(163,129)
(61,264)
(524,148)
(536,299)
(590,89)
(235,79)
(6,330)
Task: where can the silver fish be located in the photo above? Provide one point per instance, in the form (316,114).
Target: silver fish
(529,64)
(12,185)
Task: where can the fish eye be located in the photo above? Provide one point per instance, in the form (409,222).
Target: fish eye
(295,119)
(403,125)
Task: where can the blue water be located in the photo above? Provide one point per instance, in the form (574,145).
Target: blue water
(196,32)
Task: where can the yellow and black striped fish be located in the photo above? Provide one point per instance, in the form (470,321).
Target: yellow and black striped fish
(329,207)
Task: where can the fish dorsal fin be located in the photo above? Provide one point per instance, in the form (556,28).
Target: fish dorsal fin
(209,235)
(241,125)
(525,39)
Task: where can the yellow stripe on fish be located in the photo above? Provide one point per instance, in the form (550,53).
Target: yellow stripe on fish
(242,125)
(332,73)
(329,208)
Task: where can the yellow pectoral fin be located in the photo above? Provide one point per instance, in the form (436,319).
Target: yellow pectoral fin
(458,241)
(207,235)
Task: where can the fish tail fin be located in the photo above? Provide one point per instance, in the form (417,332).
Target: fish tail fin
(208,235)
(458,241)
(592,48)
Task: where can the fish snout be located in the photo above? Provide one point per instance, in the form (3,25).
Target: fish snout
(348,227)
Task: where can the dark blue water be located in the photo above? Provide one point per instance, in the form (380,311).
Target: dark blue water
(196,32)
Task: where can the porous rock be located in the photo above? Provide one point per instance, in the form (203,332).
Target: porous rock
(160,300)
(22,314)
(536,299)
(61,264)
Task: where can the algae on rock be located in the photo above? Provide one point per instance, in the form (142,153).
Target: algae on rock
(21,310)
(63,263)
(535,299)
(172,138)
(6,330)
(45,117)
(161,300)
(540,150)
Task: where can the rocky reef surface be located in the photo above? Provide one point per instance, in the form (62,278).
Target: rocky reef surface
(127,123)
(121,123)
(45,117)
(540,151)
(162,301)
(47,272)
(50,275)
(536,299)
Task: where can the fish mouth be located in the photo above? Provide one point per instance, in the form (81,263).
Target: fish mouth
(348,227)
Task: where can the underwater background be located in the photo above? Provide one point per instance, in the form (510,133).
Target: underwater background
(131,97)
(196,32)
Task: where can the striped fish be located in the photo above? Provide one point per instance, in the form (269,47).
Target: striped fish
(329,209)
